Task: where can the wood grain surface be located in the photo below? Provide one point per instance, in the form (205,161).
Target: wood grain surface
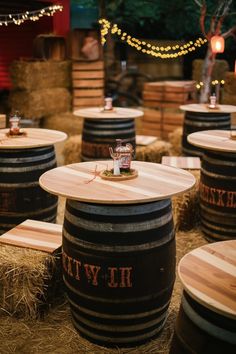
(218,140)
(189,163)
(81,182)
(203,108)
(208,274)
(35,137)
(117,113)
(38,235)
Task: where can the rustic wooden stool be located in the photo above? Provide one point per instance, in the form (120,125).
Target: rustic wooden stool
(30,269)
(206,322)
(186,206)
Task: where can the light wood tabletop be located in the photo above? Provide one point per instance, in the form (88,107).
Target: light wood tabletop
(34,234)
(218,140)
(116,113)
(208,274)
(34,137)
(82,182)
(203,108)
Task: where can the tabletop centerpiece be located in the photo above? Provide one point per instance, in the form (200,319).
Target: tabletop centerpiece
(213,103)
(15,130)
(108,107)
(122,157)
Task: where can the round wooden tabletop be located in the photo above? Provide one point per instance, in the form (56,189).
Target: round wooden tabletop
(33,137)
(208,274)
(203,108)
(218,140)
(82,182)
(116,113)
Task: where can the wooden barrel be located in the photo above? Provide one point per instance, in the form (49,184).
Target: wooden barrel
(218,195)
(21,197)
(119,269)
(199,330)
(99,134)
(198,121)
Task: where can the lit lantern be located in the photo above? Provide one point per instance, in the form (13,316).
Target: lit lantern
(217,44)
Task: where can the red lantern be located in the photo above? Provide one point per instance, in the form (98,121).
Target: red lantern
(217,44)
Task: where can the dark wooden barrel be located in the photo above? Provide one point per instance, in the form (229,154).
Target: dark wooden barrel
(201,331)
(218,195)
(198,121)
(21,197)
(99,134)
(119,269)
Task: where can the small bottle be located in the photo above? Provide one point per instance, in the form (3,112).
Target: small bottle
(14,121)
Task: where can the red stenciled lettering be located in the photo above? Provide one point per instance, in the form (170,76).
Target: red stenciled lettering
(77,269)
(220,200)
(230,200)
(125,277)
(112,283)
(91,272)
(69,266)
(212,196)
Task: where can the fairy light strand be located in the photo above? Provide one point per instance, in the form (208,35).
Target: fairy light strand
(163,52)
(35,15)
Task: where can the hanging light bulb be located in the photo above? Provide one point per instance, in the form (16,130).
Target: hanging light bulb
(217,44)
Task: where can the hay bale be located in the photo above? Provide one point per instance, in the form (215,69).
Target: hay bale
(153,152)
(38,75)
(66,122)
(219,70)
(175,139)
(186,206)
(72,149)
(28,281)
(40,103)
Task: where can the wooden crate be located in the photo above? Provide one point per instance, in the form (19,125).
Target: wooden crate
(49,46)
(76,41)
(88,83)
(151,122)
(3,122)
(168,93)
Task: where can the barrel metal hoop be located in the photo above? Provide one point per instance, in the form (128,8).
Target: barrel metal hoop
(216,213)
(117,301)
(206,326)
(18,169)
(119,317)
(217,176)
(116,227)
(119,328)
(219,228)
(116,248)
(214,161)
(119,210)
(106,133)
(27,159)
(206,124)
(121,339)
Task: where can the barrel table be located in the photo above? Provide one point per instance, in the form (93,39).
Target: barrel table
(217,184)
(118,248)
(102,128)
(199,117)
(206,322)
(23,159)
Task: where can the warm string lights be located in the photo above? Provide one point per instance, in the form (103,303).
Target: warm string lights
(163,52)
(200,84)
(35,15)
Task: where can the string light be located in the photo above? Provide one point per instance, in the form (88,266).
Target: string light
(20,18)
(163,52)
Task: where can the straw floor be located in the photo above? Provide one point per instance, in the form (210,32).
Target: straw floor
(55,333)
